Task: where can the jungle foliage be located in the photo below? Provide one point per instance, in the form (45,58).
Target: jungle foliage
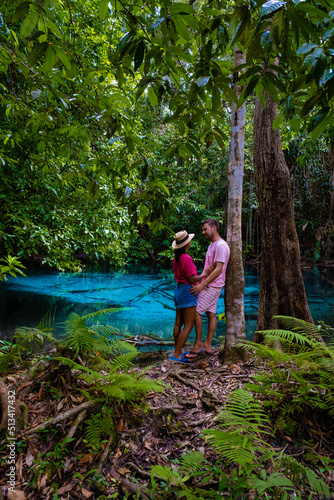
(93,368)
(80,83)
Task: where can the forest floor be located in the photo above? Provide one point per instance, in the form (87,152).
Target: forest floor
(156,432)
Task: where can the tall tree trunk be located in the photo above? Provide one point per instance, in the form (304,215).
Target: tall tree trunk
(235,281)
(282,290)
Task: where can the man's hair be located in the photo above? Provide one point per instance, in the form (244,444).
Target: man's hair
(211,222)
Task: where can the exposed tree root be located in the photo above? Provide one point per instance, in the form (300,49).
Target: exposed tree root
(80,418)
(105,454)
(60,418)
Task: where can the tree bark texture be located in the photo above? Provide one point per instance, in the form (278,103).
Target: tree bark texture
(282,290)
(235,280)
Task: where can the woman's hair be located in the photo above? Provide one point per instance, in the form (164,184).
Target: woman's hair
(179,252)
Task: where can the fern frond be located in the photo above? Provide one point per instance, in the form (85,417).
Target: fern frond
(26,335)
(298,325)
(290,336)
(192,462)
(103,311)
(244,413)
(164,473)
(72,364)
(233,446)
(295,469)
(275,480)
(47,323)
(122,361)
(107,425)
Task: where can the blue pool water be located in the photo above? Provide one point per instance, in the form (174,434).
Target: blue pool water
(146,292)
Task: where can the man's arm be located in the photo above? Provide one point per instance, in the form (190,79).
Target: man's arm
(195,289)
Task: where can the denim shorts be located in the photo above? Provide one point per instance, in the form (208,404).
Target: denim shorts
(183,298)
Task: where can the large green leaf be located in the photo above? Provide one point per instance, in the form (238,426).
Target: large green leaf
(29,24)
(270,7)
(139,55)
(103,8)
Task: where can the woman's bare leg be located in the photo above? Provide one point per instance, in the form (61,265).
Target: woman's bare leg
(188,317)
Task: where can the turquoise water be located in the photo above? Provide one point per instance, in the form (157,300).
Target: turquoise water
(146,291)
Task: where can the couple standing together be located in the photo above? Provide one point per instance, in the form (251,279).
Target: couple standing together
(191,299)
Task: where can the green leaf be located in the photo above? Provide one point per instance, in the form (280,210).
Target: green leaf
(63,57)
(50,60)
(251,86)
(152,96)
(215,98)
(36,52)
(192,22)
(330,88)
(278,120)
(103,8)
(181,28)
(265,39)
(159,21)
(54,28)
(312,59)
(277,26)
(328,33)
(306,48)
(181,8)
(321,126)
(21,10)
(124,40)
(305,26)
(311,9)
(29,24)
(202,81)
(270,7)
(181,127)
(139,55)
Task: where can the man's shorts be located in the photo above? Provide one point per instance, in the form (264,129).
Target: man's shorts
(207,299)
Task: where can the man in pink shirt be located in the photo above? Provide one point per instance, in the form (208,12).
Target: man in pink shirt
(209,289)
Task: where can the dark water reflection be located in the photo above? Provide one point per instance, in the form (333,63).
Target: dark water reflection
(146,291)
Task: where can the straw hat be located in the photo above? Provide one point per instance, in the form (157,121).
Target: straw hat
(182,238)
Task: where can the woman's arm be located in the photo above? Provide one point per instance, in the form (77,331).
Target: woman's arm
(198,288)
(193,279)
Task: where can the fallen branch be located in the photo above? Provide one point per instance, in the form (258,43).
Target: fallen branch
(133,488)
(60,418)
(184,381)
(128,485)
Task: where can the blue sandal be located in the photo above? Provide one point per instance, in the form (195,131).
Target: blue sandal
(183,360)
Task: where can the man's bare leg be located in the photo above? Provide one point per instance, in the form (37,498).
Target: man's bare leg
(211,331)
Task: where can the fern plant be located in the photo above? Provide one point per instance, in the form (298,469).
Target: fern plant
(241,447)
(26,341)
(83,338)
(301,376)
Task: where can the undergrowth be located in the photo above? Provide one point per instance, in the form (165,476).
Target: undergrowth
(299,381)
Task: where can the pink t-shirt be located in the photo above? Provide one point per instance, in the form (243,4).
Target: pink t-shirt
(184,268)
(218,251)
